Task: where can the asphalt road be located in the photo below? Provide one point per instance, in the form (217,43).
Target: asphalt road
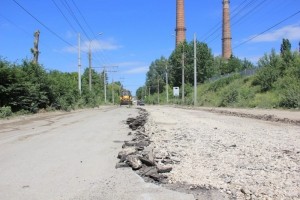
(71,156)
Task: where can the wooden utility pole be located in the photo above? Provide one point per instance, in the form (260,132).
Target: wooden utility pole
(90,67)
(182,89)
(195,70)
(158,90)
(167,85)
(79,65)
(35,49)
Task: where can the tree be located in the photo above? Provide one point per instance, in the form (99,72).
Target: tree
(156,75)
(285,46)
(205,63)
(269,71)
(286,54)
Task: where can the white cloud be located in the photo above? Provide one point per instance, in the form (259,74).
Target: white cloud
(96,45)
(138,70)
(291,32)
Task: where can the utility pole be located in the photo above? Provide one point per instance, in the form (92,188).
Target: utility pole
(104,79)
(35,49)
(79,65)
(195,70)
(167,85)
(112,92)
(182,92)
(158,90)
(90,67)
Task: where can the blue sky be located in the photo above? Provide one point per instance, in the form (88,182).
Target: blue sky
(136,32)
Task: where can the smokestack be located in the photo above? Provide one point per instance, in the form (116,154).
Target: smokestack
(180,25)
(226,37)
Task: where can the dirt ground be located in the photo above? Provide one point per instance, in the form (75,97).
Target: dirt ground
(242,157)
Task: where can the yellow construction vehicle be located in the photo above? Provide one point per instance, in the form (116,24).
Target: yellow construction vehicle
(125,98)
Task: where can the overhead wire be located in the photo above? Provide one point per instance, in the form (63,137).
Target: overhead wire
(41,23)
(82,16)
(250,39)
(248,13)
(23,30)
(251,11)
(104,58)
(47,28)
(65,17)
(76,19)
(71,12)
(219,24)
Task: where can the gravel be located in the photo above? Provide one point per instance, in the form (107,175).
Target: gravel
(241,158)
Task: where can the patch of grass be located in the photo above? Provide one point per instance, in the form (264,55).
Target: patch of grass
(266,100)
(5,112)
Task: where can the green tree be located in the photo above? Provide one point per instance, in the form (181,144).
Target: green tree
(269,71)
(156,76)
(286,55)
(64,90)
(205,63)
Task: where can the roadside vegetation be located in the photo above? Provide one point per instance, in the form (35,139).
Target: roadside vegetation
(276,83)
(29,88)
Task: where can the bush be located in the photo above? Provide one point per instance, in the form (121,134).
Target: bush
(217,85)
(265,100)
(269,71)
(289,88)
(229,96)
(5,112)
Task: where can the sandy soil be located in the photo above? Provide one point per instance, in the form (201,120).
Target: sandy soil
(244,158)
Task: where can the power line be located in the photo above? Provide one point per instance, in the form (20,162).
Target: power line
(267,29)
(75,18)
(103,57)
(82,16)
(235,13)
(241,18)
(248,13)
(219,24)
(69,9)
(50,30)
(64,16)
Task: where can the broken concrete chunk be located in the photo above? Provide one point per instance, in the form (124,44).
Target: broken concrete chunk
(147,171)
(121,165)
(134,162)
(126,151)
(146,161)
(163,169)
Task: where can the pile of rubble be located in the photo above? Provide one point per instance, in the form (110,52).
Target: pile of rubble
(139,156)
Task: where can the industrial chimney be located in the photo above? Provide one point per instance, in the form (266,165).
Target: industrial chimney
(180,25)
(226,36)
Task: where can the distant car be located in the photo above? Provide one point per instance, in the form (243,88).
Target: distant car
(140,103)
